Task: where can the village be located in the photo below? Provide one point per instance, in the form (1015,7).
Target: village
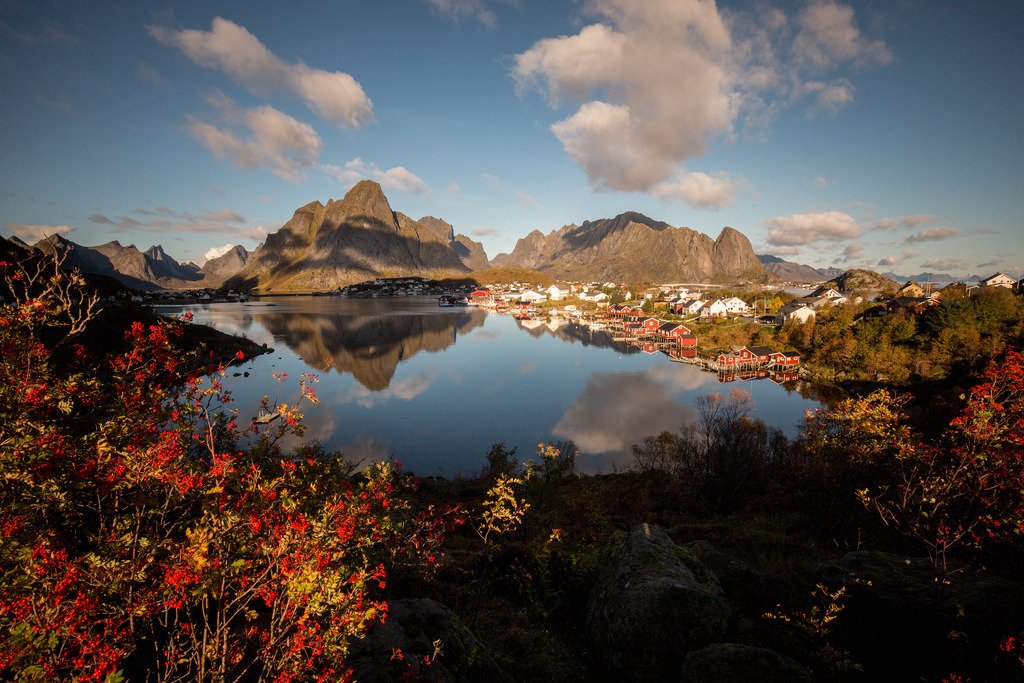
(636,320)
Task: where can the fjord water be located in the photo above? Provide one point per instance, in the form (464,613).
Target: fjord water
(436,387)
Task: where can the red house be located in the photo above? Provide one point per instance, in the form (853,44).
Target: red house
(786,358)
(480,294)
(650,325)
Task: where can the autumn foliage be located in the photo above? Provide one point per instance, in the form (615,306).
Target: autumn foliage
(962,491)
(146,531)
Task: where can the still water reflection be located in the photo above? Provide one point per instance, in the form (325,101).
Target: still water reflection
(435,387)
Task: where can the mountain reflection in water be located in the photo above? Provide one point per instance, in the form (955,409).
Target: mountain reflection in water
(436,387)
(367,346)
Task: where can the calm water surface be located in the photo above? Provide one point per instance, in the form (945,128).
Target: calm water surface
(436,387)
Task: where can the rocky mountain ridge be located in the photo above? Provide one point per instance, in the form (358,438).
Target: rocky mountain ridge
(634,248)
(359,237)
(147,270)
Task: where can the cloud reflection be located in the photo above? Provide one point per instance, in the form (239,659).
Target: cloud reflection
(617,410)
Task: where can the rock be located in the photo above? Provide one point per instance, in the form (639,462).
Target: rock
(653,603)
(632,247)
(733,663)
(897,615)
(413,627)
(741,584)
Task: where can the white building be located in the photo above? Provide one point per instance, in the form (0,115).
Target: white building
(714,309)
(690,306)
(532,296)
(736,305)
(998,280)
(795,311)
(556,293)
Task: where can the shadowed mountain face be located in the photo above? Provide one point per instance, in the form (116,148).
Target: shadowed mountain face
(632,248)
(148,270)
(355,239)
(217,270)
(367,346)
(789,271)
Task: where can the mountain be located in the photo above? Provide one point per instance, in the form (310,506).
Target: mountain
(788,271)
(148,270)
(357,238)
(469,251)
(922,277)
(217,270)
(830,273)
(125,264)
(634,248)
(165,267)
(856,279)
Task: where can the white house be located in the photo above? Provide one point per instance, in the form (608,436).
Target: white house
(556,293)
(690,306)
(998,280)
(532,296)
(736,305)
(795,311)
(714,309)
(594,296)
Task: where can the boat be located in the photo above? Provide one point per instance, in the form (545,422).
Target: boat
(445,301)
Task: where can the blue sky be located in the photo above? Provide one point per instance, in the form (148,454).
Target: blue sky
(875,134)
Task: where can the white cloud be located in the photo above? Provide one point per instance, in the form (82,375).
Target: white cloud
(828,36)
(215,252)
(276,141)
(165,220)
(820,181)
(918,219)
(908,222)
(830,97)
(492,180)
(933,234)
(657,81)
(457,10)
(398,178)
(453,191)
(526,198)
(784,251)
(944,264)
(890,261)
(811,228)
(34,233)
(699,190)
(485,232)
(231,49)
(852,252)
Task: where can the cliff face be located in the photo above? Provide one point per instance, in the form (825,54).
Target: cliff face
(632,248)
(789,271)
(357,238)
(217,270)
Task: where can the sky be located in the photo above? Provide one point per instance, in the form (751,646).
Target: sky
(886,134)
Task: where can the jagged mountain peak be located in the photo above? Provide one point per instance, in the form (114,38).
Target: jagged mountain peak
(356,238)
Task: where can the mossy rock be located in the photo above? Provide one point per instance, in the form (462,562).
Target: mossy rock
(653,603)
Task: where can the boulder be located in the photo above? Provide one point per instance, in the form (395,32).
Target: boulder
(742,585)
(653,603)
(899,616)
(733,663)
(421,629)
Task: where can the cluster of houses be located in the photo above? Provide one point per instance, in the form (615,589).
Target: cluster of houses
(679,343)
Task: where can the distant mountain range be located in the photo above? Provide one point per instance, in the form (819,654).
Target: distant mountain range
(634,248)
(788,271)
(148,270)
(358,238)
